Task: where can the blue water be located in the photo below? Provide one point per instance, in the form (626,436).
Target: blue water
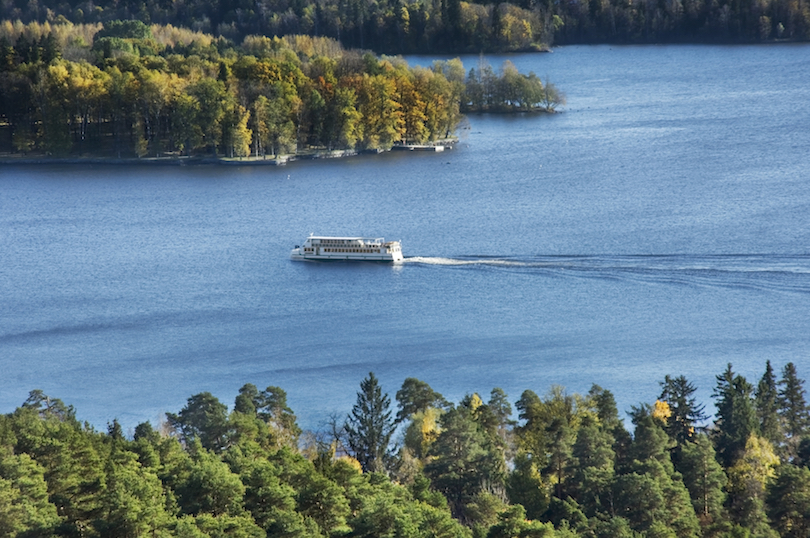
(658,226)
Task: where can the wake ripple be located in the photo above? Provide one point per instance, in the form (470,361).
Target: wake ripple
(761,271)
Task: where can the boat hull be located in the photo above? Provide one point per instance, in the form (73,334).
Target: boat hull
(295,255)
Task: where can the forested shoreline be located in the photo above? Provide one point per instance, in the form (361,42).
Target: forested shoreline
(564,466)
(124,89)
(450,26)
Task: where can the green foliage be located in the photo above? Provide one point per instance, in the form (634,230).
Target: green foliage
(204,418)
(736,417)
(459,463)
(789,501)
(427,27)
(793,408)
(210,486)
(369,427)
(704,478)
(682,424)
(24,506)
(766,403)
(133,502)
(568,469)
(747,481)
(512,523)
(125,29)
(592,469)
(270,408)
(525,486)
(158,91)
(416,396)
(390,513)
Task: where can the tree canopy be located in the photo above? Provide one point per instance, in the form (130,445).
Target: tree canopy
(566,468)
(125,89)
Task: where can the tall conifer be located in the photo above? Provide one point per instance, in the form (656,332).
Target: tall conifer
(766,403)
(369,427)
(792,407)
(679,393)
(736,417)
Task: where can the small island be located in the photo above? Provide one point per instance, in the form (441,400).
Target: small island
(127,92)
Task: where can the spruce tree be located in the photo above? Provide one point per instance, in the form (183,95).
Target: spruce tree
(369,427)
(792,408)
(736,417)
(766,403)
(686,412)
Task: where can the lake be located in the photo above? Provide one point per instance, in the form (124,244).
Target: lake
(659,225)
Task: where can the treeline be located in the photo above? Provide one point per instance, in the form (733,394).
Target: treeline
(433,26)
(567,467)
(126,89)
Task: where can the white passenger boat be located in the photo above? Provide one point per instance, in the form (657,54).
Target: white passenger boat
(322,248)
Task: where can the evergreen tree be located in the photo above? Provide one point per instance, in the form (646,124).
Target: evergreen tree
(459,462)
(592,469)
(704,478)
(669,505)
(525,486)
(204,418)
(686,413)
(561,439)
(792,408)
(499,406)
(247,400)
(789,501)
(549,432)
(25,509)
(605,406)
(415,396)
(273,409)
(736,417)
(766,403)
(369,427)
(133,502)
(48,407)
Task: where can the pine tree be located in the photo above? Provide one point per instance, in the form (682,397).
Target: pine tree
(789,501)
(205,418)
(704,478)
(415,396)
(592,468)
(369,427)
(524,486)
(459,462)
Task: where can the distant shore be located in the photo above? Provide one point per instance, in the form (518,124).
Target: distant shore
(196,160)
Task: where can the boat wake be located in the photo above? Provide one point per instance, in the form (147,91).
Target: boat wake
(760,271)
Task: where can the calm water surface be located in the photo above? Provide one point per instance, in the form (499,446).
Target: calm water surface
(658,226)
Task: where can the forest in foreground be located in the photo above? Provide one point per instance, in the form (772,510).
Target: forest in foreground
(450,26)
(565,466)
(125,89)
